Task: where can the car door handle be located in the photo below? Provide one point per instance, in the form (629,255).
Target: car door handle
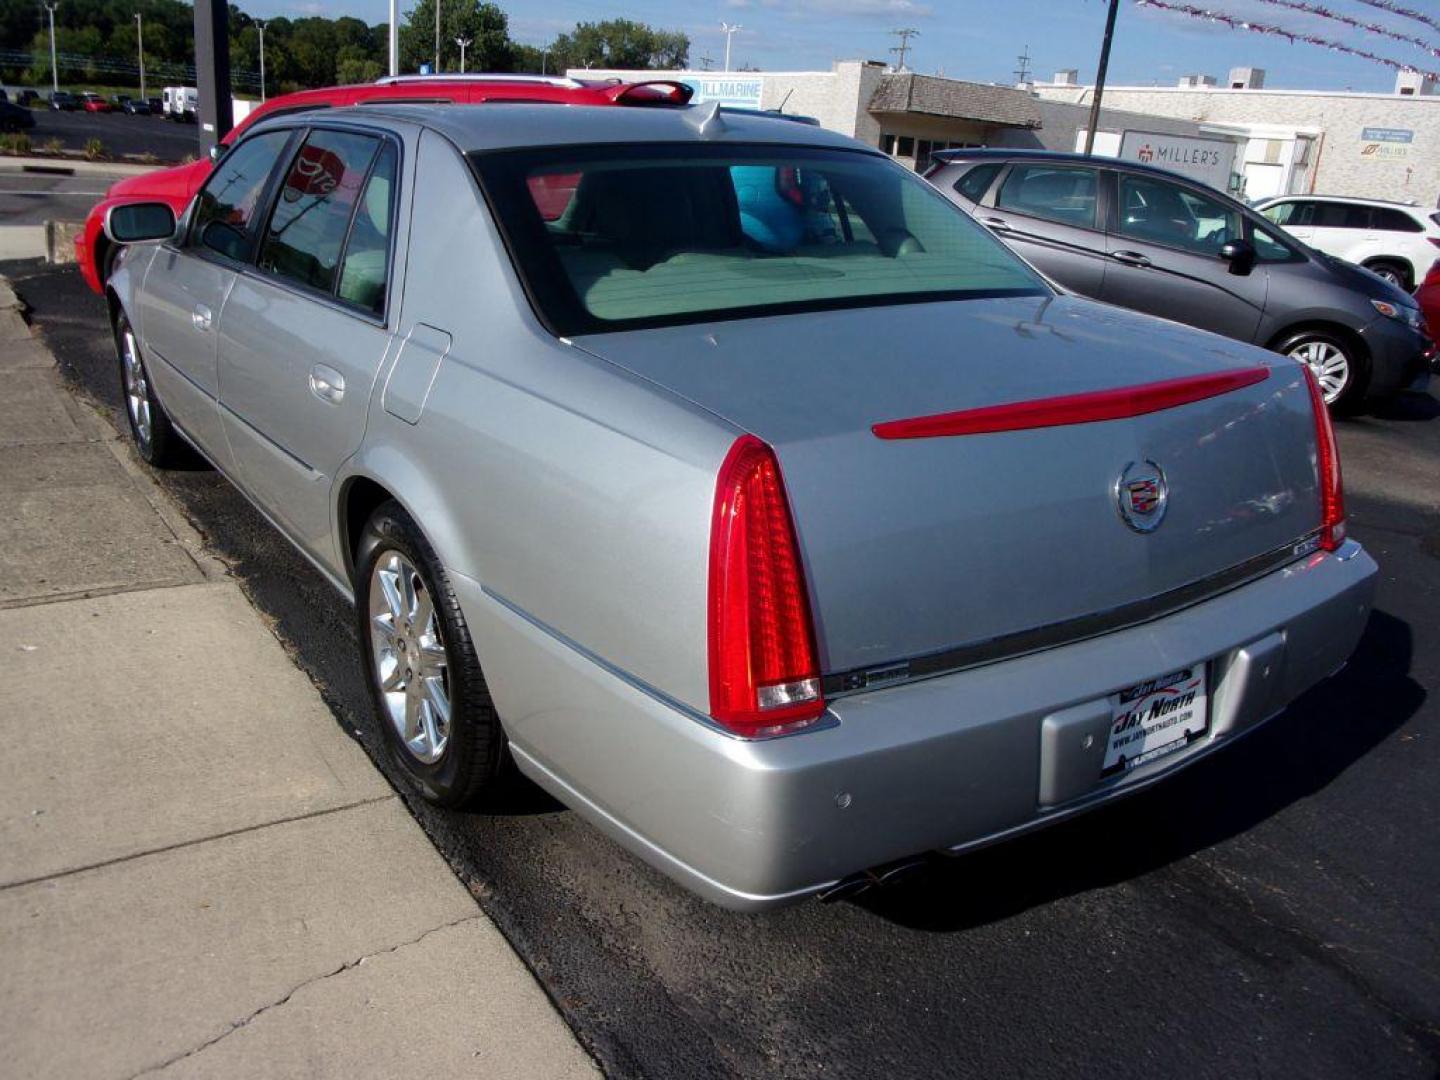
(998,224)
(1130,258)
(201,317)
(327,384)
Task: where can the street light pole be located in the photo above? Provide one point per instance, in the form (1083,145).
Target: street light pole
(1100,77)
(394,37)
(54,71)
(730,31)
(464,43)
(140,50)
(437,37)
(261,27)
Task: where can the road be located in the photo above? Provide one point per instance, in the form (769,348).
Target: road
(1275,910)
(118,133)
(29,198)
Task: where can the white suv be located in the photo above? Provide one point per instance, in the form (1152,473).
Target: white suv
(1395,240)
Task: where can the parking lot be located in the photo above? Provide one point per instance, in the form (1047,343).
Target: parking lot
(121,135)
(1275,909)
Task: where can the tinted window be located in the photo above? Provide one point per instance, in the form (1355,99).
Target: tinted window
(367,255)
(1043,191)
(1164,213)
(225,212)
(688,232)
(976,182)
(312,214)
(1341,216)
(1388,219)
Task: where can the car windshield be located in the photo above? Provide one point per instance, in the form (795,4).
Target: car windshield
(617,237)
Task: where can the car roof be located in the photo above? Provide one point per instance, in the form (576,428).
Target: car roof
(530,125)
(1351,199)
(1003,154)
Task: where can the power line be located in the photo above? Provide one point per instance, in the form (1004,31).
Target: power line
(904,47)
(1022,73)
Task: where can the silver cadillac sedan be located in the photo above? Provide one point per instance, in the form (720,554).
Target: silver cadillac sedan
(742,492)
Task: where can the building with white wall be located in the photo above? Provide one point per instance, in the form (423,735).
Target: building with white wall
(1384,146)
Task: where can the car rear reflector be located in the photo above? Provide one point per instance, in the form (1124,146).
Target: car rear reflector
(764,679)
(1073,408)
(1327,453)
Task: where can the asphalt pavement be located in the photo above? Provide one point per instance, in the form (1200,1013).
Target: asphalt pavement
(1274,910)
(32,198)
(119,133)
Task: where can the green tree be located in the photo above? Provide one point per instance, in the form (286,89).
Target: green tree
(483,24)
(620,43)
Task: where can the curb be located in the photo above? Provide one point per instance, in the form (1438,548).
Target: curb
(64,167)
(53,241)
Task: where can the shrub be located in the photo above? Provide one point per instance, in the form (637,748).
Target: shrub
(52,146)
(16,143)
(94,149)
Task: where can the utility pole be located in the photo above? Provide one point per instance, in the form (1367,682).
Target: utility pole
(394,38)
(904,47)
(464,43)
(730,31)
(261,27)
(212,71)
(1100,77)
(706,63)
(544,58)
(54,71)
(140,50)
(1022,73)
(437,37)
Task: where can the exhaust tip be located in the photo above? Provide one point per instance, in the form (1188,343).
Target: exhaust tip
(874,878)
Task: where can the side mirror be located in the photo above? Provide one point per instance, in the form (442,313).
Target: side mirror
(136,223)
(215,152)
(1240,254)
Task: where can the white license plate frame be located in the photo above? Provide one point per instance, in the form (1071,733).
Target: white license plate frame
(1156,718)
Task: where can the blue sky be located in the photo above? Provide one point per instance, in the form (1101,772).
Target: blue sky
(971,39)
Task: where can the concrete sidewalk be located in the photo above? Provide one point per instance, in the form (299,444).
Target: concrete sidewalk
(200,874)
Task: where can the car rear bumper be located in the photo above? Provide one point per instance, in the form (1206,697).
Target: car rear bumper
(943,764)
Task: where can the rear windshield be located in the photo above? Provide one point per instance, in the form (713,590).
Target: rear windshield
(619,237)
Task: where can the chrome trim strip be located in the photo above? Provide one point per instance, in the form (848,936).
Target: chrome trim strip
(1068,631)
(827,720)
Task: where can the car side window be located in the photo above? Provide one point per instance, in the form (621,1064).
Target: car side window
(1270,248)
(317,201)
(228,205)
(1281,213)
(1160,212)
(976,182)
(1388,219)
(367,253)
(1062,194)
(1341,216)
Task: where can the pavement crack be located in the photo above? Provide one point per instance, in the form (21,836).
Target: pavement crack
(246,1021)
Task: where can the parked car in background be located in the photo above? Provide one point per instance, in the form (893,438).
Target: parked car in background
(180,103)
(157,106)
(4,94)
(136,107)
(94,252)
(119,101)
(15,118)
(1395,240)
(64,101)
(1428,297)
(94,103)
(1149,239)
(27,97)
(769,616)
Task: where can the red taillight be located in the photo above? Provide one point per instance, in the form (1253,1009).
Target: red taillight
(763,675)
(1332,492)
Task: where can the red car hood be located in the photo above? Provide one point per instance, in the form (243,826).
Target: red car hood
(173,184)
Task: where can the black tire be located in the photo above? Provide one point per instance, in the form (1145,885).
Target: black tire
(471,762)
(1349,397)
(154,436)
(1393,271)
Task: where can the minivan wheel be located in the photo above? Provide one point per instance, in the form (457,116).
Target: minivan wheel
(155,437)
(1338,366)
(421,666)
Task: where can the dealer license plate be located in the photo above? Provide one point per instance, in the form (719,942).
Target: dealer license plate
(1155,718)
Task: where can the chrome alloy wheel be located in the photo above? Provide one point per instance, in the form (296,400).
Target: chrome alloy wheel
(1329,363)
(409,656)
(137,388)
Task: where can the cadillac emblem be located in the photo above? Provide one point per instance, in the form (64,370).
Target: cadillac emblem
(1141,495)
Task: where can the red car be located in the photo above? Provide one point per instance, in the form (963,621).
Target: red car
(94,103)
(95,253)
(1428,296)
